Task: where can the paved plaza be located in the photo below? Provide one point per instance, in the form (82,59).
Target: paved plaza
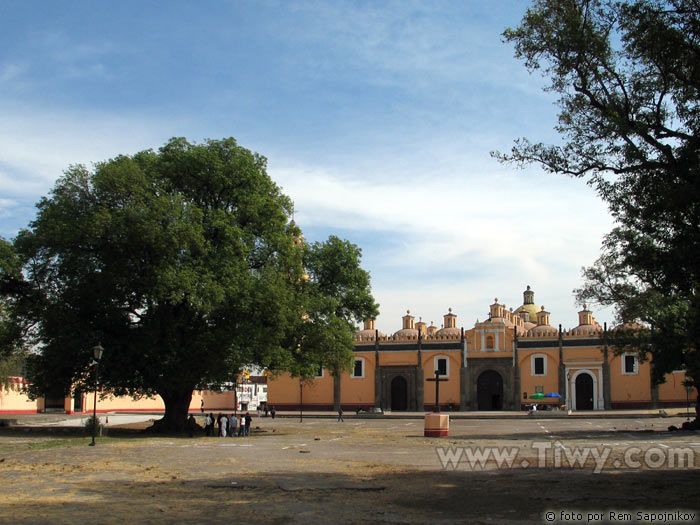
(511,470)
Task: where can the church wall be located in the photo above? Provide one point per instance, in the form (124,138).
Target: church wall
(284,394)
(673,391)
(549,382)
(359,391)
(397,358)
(489,354)
(449,390)
(629,390)
(583,354)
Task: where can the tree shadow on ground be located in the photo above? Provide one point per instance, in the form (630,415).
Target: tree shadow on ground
(466,496)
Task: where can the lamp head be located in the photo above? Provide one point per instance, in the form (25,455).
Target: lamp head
(97,352)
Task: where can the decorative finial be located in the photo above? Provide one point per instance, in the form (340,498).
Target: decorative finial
(449,310)
(495,300)
(542,308)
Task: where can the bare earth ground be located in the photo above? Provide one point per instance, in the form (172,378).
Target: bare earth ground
(377,470)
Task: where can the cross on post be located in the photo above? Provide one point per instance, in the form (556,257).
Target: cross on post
(437,389)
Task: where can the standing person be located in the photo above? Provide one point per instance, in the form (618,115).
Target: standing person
(209,424)
(218,422)
(191,425)
(232,425)
(272,412)
(248,419)
(223,423)
(266,410)
(201,406)
(241,426)
(340,415)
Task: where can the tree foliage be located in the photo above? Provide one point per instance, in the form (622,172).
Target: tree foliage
(336,295)
(12,349)
(180,262)
(627,75)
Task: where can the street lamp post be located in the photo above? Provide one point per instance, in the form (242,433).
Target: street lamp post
(97,354)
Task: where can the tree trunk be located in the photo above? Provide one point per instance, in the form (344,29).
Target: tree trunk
(177,405)
(336,391)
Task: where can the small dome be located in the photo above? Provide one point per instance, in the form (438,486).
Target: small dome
(543,329)
(366,335)
(407,332)
(453,330)
(586,329)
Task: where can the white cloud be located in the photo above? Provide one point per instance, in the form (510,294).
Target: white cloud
(467,238)
(37,145)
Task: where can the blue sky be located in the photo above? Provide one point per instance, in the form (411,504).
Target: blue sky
(377,119)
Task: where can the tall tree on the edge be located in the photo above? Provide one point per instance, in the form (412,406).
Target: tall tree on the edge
(628,77)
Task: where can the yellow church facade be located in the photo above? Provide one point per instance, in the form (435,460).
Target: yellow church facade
(498,364)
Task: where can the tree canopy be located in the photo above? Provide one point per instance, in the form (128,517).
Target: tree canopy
(335,294)
(627,74)
(183,263)
(12,349)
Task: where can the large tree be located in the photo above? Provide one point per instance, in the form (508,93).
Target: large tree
(627,74)
(182,263)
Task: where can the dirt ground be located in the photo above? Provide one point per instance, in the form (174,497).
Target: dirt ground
(376,470)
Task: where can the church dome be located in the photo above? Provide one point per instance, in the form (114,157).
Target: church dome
(453,330)
(409,329)
(366,335)
(528,305)
(586,329)
(369,332)
(450,328)
(542,330)
(407,332)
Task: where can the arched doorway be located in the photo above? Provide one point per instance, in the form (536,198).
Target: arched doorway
(584,391)
(489,390)
(399,393)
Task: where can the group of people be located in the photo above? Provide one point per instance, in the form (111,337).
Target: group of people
(227,425)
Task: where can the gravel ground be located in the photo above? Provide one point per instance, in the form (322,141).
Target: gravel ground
(379,470)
